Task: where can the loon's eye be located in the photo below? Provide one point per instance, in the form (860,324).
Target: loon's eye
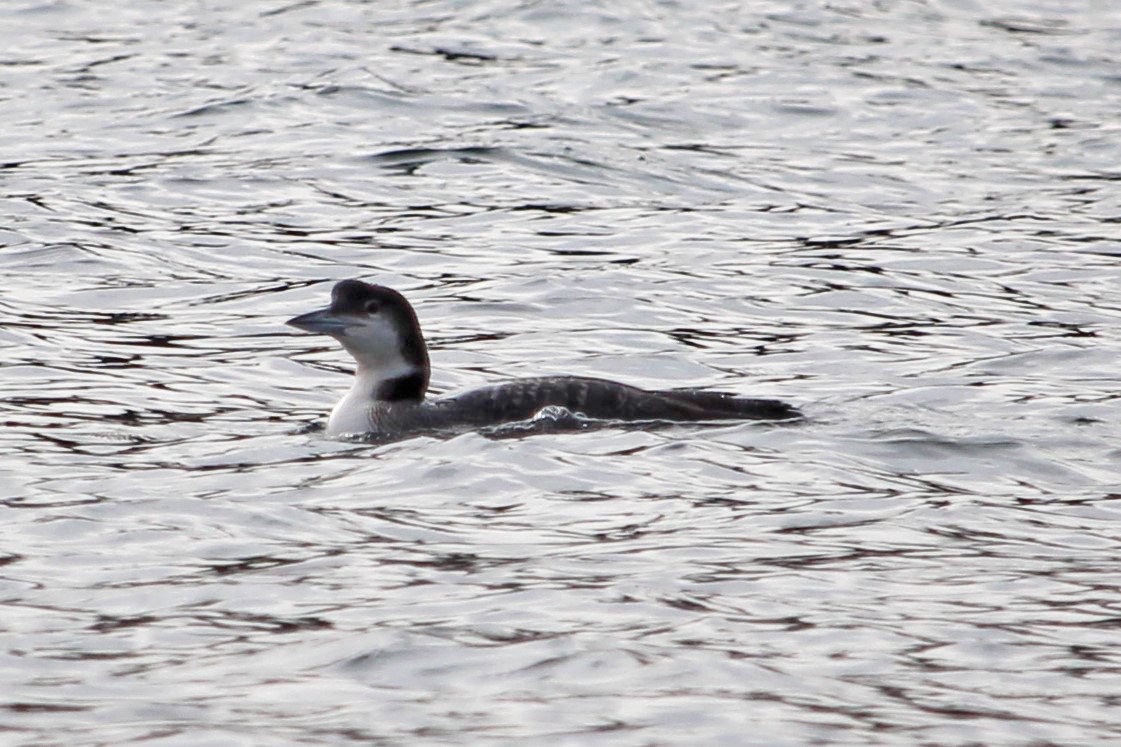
(373,307)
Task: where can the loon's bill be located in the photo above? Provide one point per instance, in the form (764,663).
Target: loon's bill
(379,328)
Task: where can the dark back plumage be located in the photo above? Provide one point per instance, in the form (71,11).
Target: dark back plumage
(608,400)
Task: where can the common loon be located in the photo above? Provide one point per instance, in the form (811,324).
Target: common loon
(379,328)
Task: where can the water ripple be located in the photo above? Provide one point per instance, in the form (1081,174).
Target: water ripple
(900,217)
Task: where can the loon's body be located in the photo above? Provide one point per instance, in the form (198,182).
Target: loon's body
(379,328)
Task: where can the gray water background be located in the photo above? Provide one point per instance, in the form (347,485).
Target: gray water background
(901,216)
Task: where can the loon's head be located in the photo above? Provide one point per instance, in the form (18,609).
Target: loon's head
(379,328)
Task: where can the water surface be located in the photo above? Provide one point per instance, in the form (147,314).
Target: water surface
(902,218)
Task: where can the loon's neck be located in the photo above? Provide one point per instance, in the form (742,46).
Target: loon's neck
(372,389)
(404,383)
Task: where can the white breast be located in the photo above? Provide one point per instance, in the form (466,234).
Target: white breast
(351,414)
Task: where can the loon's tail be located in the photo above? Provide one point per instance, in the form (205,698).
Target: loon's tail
(609,400)
(699,404)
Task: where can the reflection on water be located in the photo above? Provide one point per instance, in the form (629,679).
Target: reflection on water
(900,218)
